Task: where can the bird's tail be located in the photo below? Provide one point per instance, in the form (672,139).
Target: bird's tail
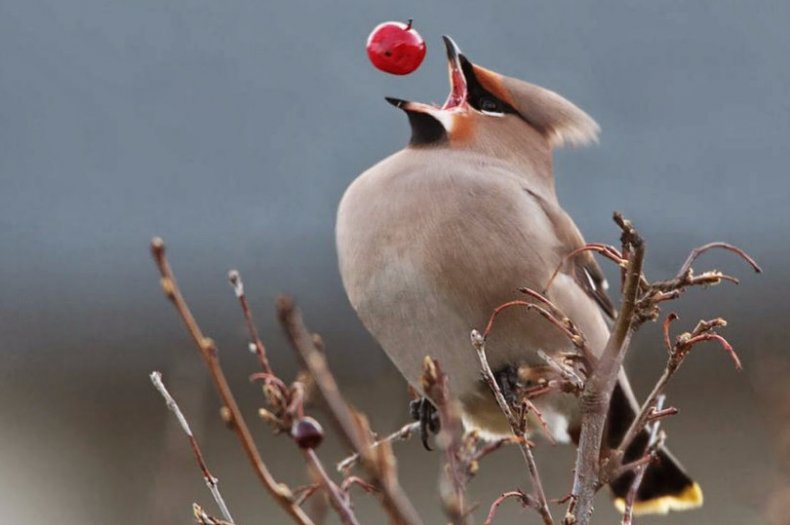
(665,485)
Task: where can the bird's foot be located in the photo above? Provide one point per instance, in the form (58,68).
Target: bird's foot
(508,380)
(422,410)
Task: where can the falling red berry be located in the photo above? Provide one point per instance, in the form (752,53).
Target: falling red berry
(396,48)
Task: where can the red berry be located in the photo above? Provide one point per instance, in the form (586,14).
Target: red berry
(396,48)
(307,432)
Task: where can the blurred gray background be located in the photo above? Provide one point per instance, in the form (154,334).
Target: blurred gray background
(231,129)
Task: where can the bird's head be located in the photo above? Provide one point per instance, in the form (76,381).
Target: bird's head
(494,114)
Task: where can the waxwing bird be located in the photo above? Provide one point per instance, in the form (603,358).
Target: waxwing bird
(431,239)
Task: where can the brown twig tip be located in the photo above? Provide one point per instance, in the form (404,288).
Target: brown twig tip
(696,252)
(724,343)
(157,246)
(211,481)
(630,235)
(285,306)
(656,414)
(667,322)
(255,346)
(235,280)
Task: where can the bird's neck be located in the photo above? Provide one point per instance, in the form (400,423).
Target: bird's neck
(532,165)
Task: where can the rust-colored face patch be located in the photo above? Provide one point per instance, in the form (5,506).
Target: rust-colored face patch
(462,129)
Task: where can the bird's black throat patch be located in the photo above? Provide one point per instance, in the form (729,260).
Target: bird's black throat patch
(425,130)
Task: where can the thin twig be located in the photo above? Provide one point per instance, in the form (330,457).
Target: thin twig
(669,289)
(656,415)
(566,372)
(478,342)
(260,350)
(530,306)
(573,332)
(336,496)
(301,494)
(208,350)
(402,434)
(640,470)
(524,499)
(493,446)
(204,519)
(552,314)
(351,481)
(529,407)
(696,252)
(610,252)
(677,355)
(211,481)
(453,479)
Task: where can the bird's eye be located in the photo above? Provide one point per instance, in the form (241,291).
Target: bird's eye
(490,105)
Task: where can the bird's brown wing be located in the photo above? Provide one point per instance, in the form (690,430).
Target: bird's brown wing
(584,269)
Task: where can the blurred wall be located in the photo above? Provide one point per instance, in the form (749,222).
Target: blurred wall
(232,128)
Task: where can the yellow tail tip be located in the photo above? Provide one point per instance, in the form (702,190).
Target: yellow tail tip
(690,498)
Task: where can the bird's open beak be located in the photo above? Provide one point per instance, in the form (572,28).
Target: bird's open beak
(458,87)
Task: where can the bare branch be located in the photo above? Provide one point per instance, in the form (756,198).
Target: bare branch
(573,332)
(696,252)
(667,322)
(402,434)
(529,407)
(525,500)
(640,470)
(591,377)
(493,446)
(351,481)
(378,462)
(452,481)
(724,343)
(594,401)
(256,344)
(677,354)
(656,414)
(478,342)
(337,497)
(208,351)
(566,372)
(530,306)
(301,494)
(211,481)
(610,252)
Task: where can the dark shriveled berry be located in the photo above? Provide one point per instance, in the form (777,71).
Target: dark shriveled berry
(307,432)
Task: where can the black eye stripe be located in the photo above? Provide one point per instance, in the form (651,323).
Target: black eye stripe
(490,104)
(478,95)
